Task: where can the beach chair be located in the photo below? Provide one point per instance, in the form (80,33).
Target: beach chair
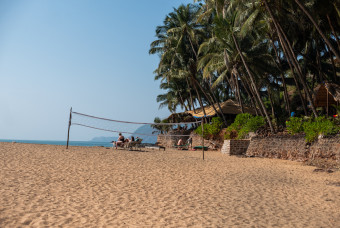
(182,147)
(134,144)
(200,148)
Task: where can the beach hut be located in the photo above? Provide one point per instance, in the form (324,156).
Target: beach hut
(326,95)
(229,109)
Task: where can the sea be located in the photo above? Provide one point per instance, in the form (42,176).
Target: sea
(50,142)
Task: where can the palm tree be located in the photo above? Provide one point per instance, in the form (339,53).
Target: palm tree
(253,51)
(302,7)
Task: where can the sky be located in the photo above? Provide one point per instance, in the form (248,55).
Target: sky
(91,55)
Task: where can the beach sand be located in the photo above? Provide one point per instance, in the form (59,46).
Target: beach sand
(49,186)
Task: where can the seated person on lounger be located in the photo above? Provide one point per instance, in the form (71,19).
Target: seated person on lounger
(120,141)
(180,142)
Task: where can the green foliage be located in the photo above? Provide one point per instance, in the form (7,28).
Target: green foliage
(243,124)
(312,127)
(294,125)
(320,126)
(161,128)
(337,108)
(211,129)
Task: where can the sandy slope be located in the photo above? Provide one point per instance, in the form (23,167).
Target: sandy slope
(43,185)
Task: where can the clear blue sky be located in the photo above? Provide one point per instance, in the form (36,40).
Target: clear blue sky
(88,54)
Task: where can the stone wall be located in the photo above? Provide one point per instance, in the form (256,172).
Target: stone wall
(328,148)
(235,147)
(197,140)
(294,147)
(170,141)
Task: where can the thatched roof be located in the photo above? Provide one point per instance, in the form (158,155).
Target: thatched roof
(326,92)
(228,107)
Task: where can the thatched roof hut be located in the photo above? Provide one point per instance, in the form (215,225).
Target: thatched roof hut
(327,94)
(228,107)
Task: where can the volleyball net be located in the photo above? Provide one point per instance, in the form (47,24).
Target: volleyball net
(172,131)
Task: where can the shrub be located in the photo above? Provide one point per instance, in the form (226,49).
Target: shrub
(312,127)
(255,122)
(210,129)
(243,124)
(294,125)
(320,126)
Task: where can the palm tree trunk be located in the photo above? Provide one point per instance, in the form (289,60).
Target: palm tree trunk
(285,91)
(226,62)
(212,102)
(256,103)
(191,100)
(333,31)
(271,103)
(285,42)
(253,82)
(249,93)
(218,105)
(333,64)
(238,93)
(199,97)
(284,48)
(318,62)
(299,70)
(318,28)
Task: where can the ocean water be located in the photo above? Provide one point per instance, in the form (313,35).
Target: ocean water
(71,143)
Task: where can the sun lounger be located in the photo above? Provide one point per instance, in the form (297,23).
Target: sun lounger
(200,148)
(121,145)
(134,144)
(182,147)
(155,147)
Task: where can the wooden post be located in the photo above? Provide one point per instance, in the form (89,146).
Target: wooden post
(69,126)
(202,137)
(327,102)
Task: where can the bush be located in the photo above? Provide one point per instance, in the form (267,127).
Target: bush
(320,126)
(294,125)
(210,129)
(312,127)
(243,124)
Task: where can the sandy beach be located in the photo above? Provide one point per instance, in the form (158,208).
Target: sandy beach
(49,186)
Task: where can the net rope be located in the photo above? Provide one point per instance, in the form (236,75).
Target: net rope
(127,127)
(120,121)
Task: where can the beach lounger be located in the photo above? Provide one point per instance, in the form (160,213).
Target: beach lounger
(200,148)
(122,145)
(134,144)
(156,147)
(182,147)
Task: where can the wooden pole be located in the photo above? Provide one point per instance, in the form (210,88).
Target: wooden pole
(327,102)
(69,126)
(202,137)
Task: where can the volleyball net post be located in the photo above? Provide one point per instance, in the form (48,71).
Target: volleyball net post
(69,126)
(202,137)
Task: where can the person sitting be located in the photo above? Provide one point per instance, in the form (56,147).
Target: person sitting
(132,139)
(120,140)
(180,142)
